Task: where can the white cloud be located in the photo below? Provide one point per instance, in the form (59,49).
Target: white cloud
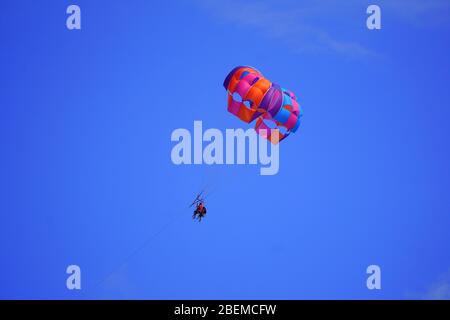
(300,25)
(286,21)
(423,11)
(440,290)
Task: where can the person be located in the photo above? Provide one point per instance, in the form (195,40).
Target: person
(200,211)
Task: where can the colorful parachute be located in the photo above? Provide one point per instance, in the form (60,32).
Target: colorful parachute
(251,96)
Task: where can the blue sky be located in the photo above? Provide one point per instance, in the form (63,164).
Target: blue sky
(86,176)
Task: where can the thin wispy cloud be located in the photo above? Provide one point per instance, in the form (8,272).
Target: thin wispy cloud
(305,26)
(287,22)
(118,282)
(430,13)
(440,290)
(422,10)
